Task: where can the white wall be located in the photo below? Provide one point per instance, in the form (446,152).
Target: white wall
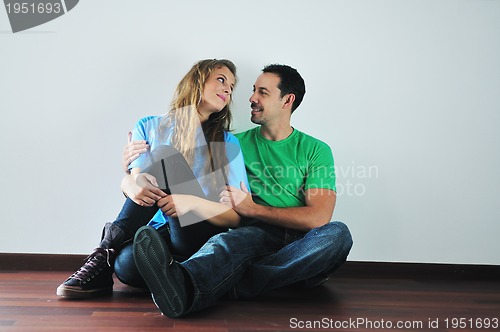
(405,92)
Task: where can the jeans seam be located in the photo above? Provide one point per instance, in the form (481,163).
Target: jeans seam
(232,273)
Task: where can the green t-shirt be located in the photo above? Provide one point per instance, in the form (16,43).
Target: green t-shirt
(279,172)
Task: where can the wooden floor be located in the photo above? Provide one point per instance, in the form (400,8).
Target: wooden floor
(28,303)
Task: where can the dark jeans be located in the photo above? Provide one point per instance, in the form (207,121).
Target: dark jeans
(251,260)
(174,176)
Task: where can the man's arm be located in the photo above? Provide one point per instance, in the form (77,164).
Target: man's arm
(317,212)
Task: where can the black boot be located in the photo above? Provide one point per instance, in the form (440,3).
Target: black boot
(95,277)
(113,237)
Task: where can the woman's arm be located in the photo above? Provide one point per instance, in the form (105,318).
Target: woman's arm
(132,151)
(214,212)
(142,188)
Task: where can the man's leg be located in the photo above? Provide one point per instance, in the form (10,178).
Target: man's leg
(310,260)
(125,268)
(181,288)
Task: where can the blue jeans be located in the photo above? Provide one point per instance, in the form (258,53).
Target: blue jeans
(251,260)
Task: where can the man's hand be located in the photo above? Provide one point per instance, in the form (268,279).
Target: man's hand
(132,151)
(240,200)
(146,191)
(176,205)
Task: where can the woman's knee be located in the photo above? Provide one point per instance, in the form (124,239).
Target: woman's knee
(125,268)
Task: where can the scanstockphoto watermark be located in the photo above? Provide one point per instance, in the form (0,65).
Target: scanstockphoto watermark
(355,324)
(351,179)
(429,324)
(27,14)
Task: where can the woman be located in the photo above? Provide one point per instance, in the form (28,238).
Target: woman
(192,157)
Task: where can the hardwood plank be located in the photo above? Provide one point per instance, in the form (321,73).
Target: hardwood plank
(28,303)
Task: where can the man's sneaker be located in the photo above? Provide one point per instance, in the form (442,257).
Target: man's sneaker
(94,278)
(164,276)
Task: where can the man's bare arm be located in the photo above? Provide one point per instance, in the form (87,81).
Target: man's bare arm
(317,212)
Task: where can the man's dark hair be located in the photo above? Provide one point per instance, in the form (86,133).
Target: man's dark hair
(291,82)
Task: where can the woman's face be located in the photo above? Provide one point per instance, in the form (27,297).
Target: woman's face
(217,91)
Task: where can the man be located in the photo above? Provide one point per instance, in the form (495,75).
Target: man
(288,237)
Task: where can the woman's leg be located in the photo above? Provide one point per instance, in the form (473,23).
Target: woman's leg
(174,175)
(131,217)
(188,233)
(186,240)
(95,277)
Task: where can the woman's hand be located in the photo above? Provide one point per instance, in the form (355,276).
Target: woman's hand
(176,205)
(218,214)
(144,190)
(131,151)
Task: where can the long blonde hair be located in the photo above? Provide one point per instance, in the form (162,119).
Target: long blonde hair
(184,115)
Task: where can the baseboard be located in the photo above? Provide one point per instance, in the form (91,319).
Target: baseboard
(433,271)
(351,269)
(40,262)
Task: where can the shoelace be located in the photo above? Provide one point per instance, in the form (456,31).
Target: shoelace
(93,264)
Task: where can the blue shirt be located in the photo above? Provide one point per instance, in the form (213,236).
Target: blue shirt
(147,129)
